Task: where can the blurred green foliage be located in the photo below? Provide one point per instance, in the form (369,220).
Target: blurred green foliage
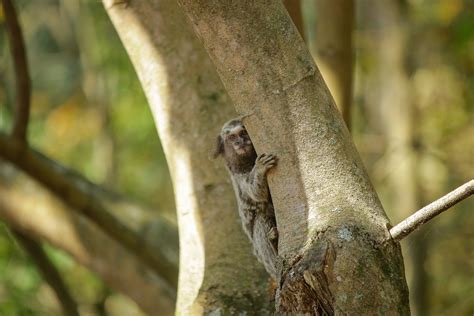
(439,64)
(89,112)
(22,291)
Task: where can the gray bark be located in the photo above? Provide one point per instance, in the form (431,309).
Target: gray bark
(331,224)
(218,272)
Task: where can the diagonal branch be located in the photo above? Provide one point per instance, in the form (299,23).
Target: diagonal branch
(404,228)
(49,272)
(75,192)
(22,77)
(35,211)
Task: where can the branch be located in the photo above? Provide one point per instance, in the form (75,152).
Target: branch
(291,112)
(76,193)
(49,272)
(404,228)
(22,77)
(35,211)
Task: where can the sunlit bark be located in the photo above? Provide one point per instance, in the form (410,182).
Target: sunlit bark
(218,271)
(330,221)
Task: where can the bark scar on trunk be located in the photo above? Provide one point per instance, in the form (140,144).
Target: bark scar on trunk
(304,286)
(310,71)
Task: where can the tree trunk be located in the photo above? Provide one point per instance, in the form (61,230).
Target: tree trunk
(218,272)
(390,95)
(332,44)
(332,228)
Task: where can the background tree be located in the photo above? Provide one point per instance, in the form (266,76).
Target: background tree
(392,99)
(396,112)
(333,50)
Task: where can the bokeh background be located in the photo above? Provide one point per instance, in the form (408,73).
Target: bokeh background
(413,124)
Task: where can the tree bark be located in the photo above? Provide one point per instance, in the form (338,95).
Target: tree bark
(218,272)
(333,49)
(330,221)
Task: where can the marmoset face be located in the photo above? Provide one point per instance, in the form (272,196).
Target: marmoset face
(235,146)
(237,137)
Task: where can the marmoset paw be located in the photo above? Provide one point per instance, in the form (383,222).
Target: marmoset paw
(266,161)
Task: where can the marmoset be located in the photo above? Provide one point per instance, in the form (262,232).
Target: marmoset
(248,172)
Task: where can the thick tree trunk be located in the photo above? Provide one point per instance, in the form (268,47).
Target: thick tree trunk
(331,224)
(332,44)
(217,269)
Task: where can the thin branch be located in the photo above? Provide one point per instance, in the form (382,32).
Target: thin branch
(22,77)
(404,228)
(49,272)
(74,192)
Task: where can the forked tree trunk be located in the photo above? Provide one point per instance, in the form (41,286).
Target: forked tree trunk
(336,253)
(218,271)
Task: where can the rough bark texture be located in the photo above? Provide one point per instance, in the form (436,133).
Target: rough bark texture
(321,193)
(218,272)
(33,210)
(333,50)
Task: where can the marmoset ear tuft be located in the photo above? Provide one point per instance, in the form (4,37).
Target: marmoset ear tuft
(219,147)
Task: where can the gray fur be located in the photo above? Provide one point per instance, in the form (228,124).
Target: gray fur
(248,172)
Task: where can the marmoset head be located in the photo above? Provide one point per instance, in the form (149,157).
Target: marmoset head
(235,145)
